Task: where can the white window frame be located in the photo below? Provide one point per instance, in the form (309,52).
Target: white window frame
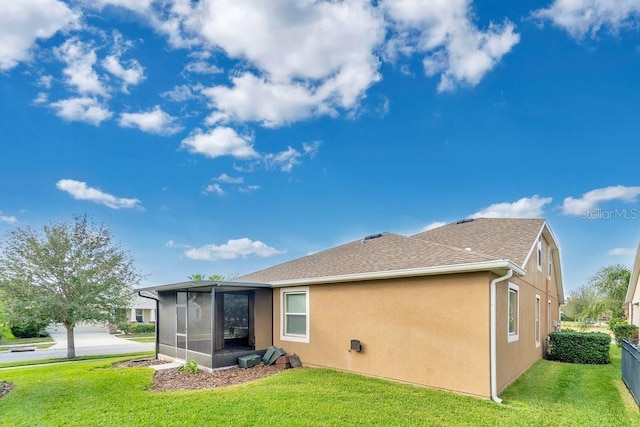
(536,326)
(283,315)
(539,253)
(141,315)
(549,263)
(548,317)
(513,336)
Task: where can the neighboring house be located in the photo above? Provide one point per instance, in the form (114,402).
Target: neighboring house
(141,310)
(466,307)
(633,292)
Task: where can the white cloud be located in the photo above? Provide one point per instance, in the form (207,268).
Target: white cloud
(140,6)
(311,57)
(256,99)
(213,188)
(42,98)
(249,188)
(8,219)
(527,207)
(229,179)
(590,200)
(23,22)
(293,39)
(80,58)
(133,74)
(233,249)
(202,67)
(456,49)
(285,160)
(311,148)
(155,121)
(82,109)
(582,17)
(221,141)
(621,251)
(171,244)
(80,191)
(180,93)
(433,225)
(45,81)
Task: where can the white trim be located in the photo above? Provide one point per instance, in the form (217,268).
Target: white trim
(549,263)
(409,272)
(535,243)
(283,316)
(513,336)
(539,254)
(536,316)
(549,323)
(557,270)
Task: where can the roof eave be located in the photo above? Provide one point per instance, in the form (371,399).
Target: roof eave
(202,283)
(497,266)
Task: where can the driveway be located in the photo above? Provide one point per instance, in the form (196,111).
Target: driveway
(88,342)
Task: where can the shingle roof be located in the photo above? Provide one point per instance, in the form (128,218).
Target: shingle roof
(502,238)
(488,240)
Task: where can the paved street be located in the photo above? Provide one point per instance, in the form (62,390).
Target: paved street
(88,342)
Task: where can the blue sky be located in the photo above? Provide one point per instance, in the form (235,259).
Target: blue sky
(228,136)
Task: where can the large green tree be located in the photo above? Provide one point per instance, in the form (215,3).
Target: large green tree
(602,295)
(612,283)
(67,272)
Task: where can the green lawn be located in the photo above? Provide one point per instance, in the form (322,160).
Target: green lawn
(16,341)
(136,355)
(146,337)
(83,393)
(46,345)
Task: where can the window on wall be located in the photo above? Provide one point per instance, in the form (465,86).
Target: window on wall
(537,320)
(294,306)
(139,317)
(549,316)
(539,253)
(549,265)
(514,312)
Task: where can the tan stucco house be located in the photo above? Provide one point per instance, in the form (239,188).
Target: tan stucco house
(465,307)
(633,292)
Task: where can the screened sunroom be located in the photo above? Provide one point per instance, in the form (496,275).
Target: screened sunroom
(213,323)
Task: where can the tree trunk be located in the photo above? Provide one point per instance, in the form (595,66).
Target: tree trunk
(71,345)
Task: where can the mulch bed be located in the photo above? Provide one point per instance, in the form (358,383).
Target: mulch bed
(139,363)
(5,388)
(172,379)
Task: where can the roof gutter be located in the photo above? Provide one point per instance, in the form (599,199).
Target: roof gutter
(493,336)
(497,266)
(147,295)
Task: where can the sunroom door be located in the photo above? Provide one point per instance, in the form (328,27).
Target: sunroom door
(181,325)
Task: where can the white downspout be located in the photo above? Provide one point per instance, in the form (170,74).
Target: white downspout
(494,350)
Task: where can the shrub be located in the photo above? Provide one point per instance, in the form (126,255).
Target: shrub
(142,328)
(125,327)
(189,367)
(574,347)
(622,331)
(615,321)
(29,329)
